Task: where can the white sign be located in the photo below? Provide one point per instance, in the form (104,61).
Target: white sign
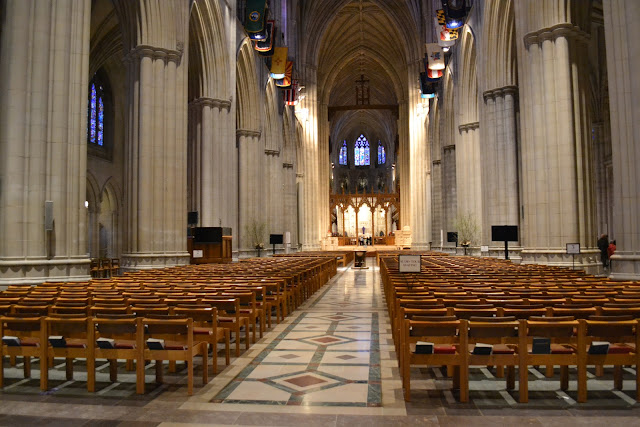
(198,253)
(409,263)
(573,248)
(484,248)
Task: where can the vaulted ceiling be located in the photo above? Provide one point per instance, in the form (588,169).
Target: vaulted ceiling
(371,38)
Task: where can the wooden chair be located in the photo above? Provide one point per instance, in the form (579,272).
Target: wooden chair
(560,332)
(624,343)
(207,328)
(179,344)
(450,348)
(502,334)
(123,330)
(115,267)
(77,336)
(31,333)
(229,317)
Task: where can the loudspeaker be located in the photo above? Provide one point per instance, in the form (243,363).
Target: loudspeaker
(276,239)
(504,233)
(452,236)
(192,218)
(48,215)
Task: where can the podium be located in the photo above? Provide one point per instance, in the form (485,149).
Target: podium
(210,245)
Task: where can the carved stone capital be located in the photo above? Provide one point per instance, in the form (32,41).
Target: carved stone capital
(468,126)
(222,104)
(145,51)
(565,29)
(248,133)
(500,92)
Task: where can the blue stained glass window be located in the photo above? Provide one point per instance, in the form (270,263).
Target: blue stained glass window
(98,113)
(343,154)
(382,155)
(361,151)
(92,115)
(100,124)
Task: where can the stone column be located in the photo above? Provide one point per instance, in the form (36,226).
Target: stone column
(556,160)
(312,230)
(449,188)
(403,165)
(155,160)
(44,77)
(209,161)
(247,185)
(499,159)
(623,56)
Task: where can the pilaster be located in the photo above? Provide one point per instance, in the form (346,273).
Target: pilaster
(44,67)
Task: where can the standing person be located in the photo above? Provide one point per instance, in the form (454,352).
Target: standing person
(603,245)
(610,251)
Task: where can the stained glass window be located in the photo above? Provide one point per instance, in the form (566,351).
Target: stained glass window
(343,154)
(382,155)
(361,152)
(95,134)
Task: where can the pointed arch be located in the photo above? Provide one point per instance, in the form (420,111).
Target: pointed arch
(273,135)
(500,47)
(208,53)
(247,94)
(468,83)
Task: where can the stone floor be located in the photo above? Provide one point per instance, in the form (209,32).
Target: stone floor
(331,363)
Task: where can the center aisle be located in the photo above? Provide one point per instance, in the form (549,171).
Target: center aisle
(334,355)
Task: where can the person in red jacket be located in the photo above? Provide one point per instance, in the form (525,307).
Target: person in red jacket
(610,251)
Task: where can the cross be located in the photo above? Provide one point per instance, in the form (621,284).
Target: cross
(362,91)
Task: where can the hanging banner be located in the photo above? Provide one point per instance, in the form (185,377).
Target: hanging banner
(267,44)
(445,36)
(254,18)
(455,12)
(286,81)
(434,74)
(435,55)
(427,88)
(291,95)
(279,62)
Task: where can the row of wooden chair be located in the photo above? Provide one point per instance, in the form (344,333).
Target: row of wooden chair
(456,343)
(104,267)
(112,338)
(469,293)
(137,306)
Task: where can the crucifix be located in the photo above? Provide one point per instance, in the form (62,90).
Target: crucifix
(362,91)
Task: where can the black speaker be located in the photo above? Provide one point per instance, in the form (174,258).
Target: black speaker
(452,236)
(504,233)
(192,218)
(276,239)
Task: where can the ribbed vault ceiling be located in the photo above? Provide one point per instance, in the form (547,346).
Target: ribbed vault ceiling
(373,38)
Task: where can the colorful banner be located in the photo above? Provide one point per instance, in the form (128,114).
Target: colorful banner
(286,81)
(255,14)
(279,62)
(436,56)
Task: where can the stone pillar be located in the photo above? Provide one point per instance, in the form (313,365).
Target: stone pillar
(449,188)
(403,165)
(155,160)
(247,185)
(44,77)
(210,161)
(623,56)
(499,159)
(312,230)
(556,160)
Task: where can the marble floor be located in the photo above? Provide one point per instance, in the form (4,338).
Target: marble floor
(330,363)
